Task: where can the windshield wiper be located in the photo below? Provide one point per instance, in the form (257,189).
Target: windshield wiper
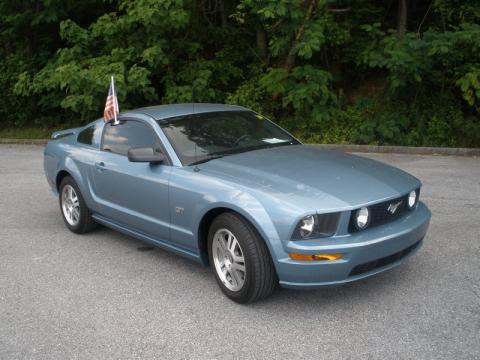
(207,159)
(257,147)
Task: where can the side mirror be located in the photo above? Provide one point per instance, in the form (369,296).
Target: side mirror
(145,154)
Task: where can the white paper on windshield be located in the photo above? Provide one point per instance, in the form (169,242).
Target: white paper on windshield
(273,140)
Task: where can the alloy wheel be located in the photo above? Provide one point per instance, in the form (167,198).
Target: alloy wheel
(70,205)
(228,259)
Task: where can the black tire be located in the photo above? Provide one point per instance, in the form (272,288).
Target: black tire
(260,278)
(85,222)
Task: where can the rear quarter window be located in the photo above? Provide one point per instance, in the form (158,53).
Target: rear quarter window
(91,135)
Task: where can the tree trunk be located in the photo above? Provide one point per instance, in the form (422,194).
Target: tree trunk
(262,43)
(402,16)
(223,15)
(291,57)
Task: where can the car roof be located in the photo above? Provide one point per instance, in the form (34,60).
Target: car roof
(172,110)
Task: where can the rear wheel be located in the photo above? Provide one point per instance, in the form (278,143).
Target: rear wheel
(75,213)
(240,259)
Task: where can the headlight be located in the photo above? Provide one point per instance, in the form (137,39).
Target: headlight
(412,199)
(363,217)
(316,226)
(306,226)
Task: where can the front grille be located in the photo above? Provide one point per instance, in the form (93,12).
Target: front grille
(379,213)
(387,260)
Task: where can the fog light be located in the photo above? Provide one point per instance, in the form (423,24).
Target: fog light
(314,257)
(363,217)
(412,199)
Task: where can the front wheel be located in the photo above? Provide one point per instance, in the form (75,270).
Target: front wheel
(75,213)
(240,259)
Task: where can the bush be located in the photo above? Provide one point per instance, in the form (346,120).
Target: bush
(383,121)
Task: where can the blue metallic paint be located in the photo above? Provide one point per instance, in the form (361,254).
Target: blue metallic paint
(272,188)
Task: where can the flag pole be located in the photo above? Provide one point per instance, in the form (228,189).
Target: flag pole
(114,103)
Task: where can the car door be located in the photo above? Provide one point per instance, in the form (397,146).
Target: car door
(132,194)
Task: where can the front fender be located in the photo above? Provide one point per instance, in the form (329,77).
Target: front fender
(194,194)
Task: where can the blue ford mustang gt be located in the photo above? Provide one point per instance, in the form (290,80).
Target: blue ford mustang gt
(226,187)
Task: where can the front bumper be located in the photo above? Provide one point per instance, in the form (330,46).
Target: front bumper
(363,254)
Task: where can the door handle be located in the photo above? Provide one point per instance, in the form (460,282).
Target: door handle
(100,166)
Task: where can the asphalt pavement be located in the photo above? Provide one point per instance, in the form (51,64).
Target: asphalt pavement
(108,296)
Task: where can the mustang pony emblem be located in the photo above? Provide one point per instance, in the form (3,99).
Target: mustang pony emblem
(393,207)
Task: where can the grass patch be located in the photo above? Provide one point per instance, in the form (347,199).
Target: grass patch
(26,133)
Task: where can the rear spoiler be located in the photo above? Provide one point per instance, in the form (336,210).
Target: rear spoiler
(64,133)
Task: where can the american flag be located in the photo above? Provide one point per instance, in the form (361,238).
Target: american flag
(111,106)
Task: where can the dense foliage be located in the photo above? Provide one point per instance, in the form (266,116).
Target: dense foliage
(360,71)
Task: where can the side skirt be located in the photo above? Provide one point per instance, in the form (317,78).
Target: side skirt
(148,239)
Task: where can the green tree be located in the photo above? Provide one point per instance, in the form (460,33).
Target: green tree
(366,71)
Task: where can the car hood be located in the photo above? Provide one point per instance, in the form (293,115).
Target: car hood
(314,178)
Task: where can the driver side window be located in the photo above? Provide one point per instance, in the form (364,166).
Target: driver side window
(119,138)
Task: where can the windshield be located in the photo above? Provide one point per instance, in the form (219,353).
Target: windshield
(201,137)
